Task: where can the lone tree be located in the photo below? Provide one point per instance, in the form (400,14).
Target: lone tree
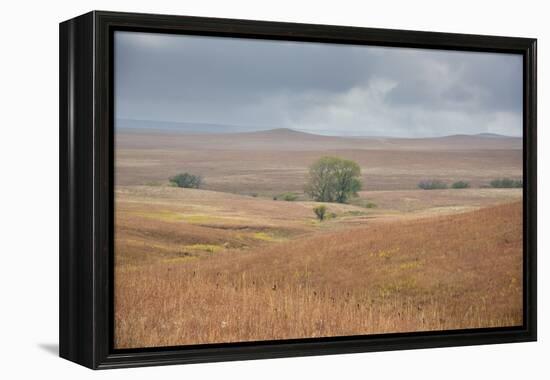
(333,179)
(187,180)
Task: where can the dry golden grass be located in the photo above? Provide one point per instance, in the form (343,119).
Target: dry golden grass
(199,266)
(157,223)
(434,273)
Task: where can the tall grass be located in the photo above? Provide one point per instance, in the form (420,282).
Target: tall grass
(438,273)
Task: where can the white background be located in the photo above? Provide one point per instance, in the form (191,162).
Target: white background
(29,187)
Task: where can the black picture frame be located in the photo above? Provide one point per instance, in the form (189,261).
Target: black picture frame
(86,189)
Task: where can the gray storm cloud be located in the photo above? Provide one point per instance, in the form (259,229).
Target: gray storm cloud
(319,88)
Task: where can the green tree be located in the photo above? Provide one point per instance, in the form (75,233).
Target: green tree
(333,179)
(187,180)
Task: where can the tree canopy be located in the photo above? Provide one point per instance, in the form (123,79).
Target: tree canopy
(333,179)
(187,180)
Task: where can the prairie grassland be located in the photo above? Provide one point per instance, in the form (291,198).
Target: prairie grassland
(277,161)
(156,223)
(180,280)
(229,263)
(437,201)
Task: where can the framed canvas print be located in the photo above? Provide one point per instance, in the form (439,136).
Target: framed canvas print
(237,189)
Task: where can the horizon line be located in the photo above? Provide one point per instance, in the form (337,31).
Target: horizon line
(271,129)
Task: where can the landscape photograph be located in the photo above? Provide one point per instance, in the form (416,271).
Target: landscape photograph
(275,190)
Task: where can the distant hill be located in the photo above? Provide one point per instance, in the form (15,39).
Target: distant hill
(284,133)
(493,135)
(202,128)
(479,135)
(226,137)
(251,131)
(180,127)
(281,132)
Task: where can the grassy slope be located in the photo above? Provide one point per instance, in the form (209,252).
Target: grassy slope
(165,223)
(440,272)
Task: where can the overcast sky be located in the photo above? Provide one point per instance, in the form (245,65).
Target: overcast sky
(319,88)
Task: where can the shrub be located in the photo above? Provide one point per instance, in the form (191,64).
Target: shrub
(333,179)
(432,184)
(460,185)
(187,180)
(371,205)
(289,197)
(320,212)
(502,183)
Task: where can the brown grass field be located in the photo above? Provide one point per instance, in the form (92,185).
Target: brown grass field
(218,265)
(271,162)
